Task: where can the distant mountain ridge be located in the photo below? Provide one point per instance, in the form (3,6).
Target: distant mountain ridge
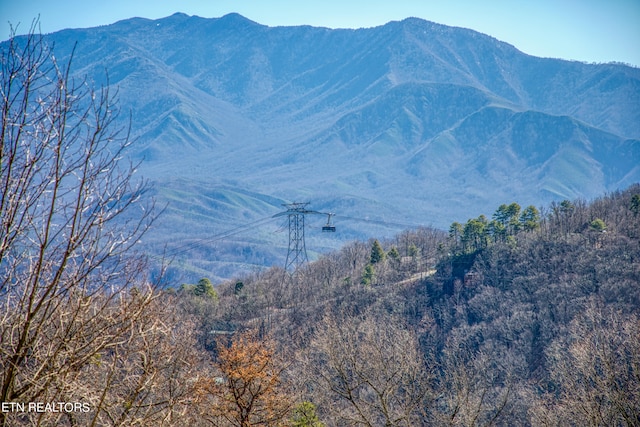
(410,122)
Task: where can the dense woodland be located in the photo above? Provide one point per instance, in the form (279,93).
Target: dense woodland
(522,317)
(533,324)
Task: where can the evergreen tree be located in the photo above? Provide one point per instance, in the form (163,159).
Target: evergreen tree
(304,415)
(455,234)
(635,204)
(367,275)
(377,253)
(530,218)
(507,216)
(204,288)
(475,234)
(598,225)
(413,250)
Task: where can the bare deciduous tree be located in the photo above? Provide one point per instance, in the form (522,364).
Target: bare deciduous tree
(596,368)
(369,371)
(70,216)
(474,389)
(143,373)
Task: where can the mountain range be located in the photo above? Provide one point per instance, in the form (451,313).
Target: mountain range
(407,124)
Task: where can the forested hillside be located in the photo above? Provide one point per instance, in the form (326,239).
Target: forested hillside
(407,122)
(515,317)
(523,318)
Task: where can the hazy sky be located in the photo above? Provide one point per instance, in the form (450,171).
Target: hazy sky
(584,30)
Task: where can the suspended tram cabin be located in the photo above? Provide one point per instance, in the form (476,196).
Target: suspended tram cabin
(328,227)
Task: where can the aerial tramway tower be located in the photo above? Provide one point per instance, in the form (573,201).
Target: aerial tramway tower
(297,252)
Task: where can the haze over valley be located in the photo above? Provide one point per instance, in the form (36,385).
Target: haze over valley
(404,125)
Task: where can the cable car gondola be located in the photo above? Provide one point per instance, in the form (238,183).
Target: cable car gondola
(328,227)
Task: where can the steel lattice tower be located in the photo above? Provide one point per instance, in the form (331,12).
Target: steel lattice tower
(297,253)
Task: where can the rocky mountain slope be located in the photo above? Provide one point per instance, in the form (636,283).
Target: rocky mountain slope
(410,123)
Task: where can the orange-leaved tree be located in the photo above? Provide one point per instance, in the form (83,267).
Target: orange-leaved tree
(248,390)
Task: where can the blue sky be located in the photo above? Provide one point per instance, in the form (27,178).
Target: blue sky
(584,30)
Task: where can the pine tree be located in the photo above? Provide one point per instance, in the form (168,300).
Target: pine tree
(377,253)
(304,415)
(367,275)
(205,288)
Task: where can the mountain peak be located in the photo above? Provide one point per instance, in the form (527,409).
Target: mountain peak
(235,19)
(433,116)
